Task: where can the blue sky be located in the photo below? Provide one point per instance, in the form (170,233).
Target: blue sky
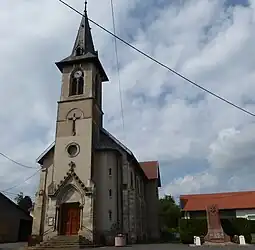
(202,144)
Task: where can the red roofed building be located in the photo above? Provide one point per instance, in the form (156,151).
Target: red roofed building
(231,204)
(151,170)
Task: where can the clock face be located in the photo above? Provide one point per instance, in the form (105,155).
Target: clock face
(78,74)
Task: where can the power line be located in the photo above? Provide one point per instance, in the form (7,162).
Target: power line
(18,163)
(117,65)
(163,65)
(28,178)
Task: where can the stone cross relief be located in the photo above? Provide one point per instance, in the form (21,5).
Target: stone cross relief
(73,119)
(72,165)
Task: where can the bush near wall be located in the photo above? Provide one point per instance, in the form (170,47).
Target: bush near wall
(198,227)
(237,226)
(252,226)
(190,228)
(169,235)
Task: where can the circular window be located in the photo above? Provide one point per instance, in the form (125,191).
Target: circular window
(73,150)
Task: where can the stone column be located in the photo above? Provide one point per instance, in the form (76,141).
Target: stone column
(87,218)
(38,222)
(52,211)
(132,216)
(81,219)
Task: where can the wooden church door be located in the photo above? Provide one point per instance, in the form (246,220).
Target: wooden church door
(71,219)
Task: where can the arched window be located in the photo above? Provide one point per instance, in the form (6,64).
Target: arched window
(76,83)
(78,51)
(80,85)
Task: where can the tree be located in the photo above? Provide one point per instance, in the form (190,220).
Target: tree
(169,213)
(19,197)
(24,202)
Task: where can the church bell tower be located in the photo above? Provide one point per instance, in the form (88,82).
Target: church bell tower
(79,115)
(79,119)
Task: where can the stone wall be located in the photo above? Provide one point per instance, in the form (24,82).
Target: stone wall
(152,202)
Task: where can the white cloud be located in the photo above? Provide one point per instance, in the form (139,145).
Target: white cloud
(234,149)
(165,117)
(192,184)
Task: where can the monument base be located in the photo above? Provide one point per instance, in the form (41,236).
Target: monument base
(217,236)
(207,243)
(215,231)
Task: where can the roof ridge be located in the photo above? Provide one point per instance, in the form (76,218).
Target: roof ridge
(217,194)
(14,204)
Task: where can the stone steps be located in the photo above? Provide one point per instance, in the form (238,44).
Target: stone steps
(64,247)
(64,242)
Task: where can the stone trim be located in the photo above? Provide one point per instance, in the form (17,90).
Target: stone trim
(55,189)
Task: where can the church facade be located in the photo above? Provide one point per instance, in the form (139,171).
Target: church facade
(90,183)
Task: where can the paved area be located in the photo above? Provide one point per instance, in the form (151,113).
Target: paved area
(179,247)
(12,246)
(19,246)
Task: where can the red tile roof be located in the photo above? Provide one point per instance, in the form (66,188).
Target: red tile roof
(231,200)
(150,169)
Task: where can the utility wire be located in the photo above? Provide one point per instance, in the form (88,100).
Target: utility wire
(28,178)
(163,65)
(117,65)
(18,163)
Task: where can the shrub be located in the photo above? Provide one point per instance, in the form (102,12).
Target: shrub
(169,235)
(252,225)
(237,226)
(190,228)
(186,237)
(198,227)
(228,227)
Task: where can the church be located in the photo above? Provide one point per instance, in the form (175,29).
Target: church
(91,185)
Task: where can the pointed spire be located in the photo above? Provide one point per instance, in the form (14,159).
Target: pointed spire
(85,9)
(84,42)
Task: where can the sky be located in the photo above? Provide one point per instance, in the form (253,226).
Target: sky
(202,144)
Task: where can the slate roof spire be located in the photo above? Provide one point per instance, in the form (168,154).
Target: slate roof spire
(83,49)
(84,41)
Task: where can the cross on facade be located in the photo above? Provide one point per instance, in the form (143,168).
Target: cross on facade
(73,119)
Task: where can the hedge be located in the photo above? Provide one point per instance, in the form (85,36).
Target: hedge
(252,226)
(198,227)
(190,228)
(237,226)
(169,235)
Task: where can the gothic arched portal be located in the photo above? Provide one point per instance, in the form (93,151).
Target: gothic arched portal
(70,201)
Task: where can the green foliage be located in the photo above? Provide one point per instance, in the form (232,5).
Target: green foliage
(252,226)
(170,235)
(190,228)
(169,213)
(24,202)
(242,226)
(198,227)
(237,226)
(19,197)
